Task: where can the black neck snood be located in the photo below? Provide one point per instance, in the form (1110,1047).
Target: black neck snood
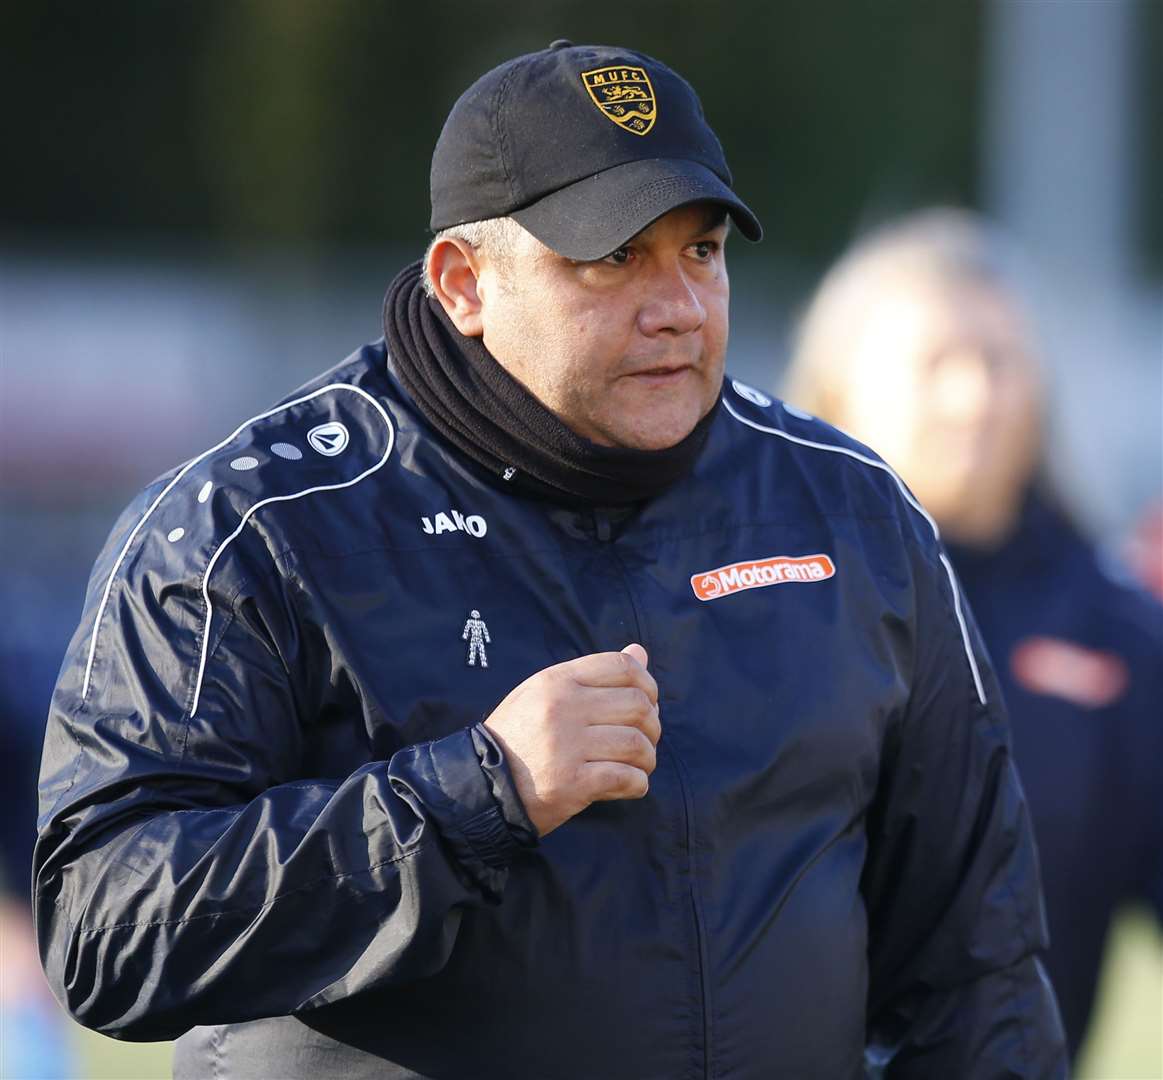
(489,416)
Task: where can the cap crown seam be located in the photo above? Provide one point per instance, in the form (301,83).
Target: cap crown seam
(501,133)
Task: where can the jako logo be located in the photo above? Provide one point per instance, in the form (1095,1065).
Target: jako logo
(757,573)
(474,524)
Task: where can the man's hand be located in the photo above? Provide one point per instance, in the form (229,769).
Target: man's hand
(580,732)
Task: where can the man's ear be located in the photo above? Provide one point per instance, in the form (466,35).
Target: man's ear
(453,268)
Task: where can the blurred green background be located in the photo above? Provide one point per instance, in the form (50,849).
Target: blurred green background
(299,121)
(312,123)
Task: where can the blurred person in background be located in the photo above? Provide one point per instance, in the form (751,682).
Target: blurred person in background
(917,343)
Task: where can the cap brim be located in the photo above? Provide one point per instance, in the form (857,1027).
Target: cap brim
(597,215)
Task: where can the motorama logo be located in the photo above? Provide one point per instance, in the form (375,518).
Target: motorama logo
(759,573)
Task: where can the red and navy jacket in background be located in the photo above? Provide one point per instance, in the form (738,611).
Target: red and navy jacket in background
(1079,652)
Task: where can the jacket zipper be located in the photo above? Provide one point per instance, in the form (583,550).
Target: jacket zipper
(603,530)
(696,905)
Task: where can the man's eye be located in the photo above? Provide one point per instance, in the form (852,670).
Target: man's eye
(619,256)
(704,249)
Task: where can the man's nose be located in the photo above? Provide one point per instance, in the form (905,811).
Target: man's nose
(671,304)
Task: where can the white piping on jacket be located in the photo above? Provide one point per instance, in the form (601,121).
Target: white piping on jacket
(866,460)
(214,558)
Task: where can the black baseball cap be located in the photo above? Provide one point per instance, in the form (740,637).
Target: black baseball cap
(584,145)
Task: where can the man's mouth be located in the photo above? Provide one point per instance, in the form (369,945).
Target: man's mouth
(662,373)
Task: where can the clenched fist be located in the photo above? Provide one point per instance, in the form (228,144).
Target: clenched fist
(580,732)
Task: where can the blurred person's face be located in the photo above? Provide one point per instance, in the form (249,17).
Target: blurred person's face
(628,350)
(942,383)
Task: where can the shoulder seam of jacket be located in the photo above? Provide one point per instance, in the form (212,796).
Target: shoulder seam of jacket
(908,497)
(214,558)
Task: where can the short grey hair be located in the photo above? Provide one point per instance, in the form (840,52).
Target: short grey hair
(496,237)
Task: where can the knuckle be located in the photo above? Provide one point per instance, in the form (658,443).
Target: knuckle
(556,681)
(619,781)
(551,709)
(621,744)
(605,781)
(543,679)
(579,783)
(556,703)
(650,727)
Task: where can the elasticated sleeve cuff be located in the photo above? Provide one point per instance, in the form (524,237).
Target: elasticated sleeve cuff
(519,829)
(466,787)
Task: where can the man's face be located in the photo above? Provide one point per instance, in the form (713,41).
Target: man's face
(627,351)
(943,383)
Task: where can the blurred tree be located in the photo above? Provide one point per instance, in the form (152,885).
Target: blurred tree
(312,122)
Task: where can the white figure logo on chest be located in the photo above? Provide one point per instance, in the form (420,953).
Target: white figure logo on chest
(477,635)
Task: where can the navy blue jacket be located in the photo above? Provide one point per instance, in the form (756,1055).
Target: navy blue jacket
(270,811)
(1079,651)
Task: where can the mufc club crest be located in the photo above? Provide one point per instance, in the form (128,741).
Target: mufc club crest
(623,95)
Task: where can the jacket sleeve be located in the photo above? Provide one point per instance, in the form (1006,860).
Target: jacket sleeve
(951,883)
(186,872)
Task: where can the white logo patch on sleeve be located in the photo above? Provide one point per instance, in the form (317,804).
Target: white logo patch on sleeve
(328,439)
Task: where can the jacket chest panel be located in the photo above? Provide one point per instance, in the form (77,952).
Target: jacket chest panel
(434,639)
(768,689)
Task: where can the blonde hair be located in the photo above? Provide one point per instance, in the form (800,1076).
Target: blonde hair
(942,245)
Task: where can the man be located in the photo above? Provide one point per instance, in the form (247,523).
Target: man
(916,342)
(683,822)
